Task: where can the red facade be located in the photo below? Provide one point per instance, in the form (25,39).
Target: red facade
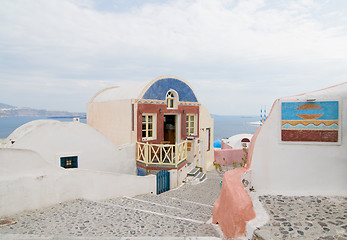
(161,110)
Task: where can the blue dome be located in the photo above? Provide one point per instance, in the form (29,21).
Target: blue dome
(158,90)
(217,144)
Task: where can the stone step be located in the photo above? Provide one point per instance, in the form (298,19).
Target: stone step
(187,205)
(151,206)
(205,192)
(262,235)
(193,172)
(196,179)
(201,176)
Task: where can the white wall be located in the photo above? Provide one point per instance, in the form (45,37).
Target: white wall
(28,182)
(206,121)
(54,139)
(301,168)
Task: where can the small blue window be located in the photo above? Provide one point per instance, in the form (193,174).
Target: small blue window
(69,162)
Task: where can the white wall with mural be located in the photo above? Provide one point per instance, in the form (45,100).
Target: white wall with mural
(302,147)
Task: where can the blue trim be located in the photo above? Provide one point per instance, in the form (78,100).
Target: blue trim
(141,171)
(159,89)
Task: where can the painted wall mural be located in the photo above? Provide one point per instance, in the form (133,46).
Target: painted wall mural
(310,121)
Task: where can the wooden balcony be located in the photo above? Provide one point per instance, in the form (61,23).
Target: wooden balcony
(165,155)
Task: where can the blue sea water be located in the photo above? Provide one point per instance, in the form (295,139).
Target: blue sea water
(9,124)
(224,126)
(227,126)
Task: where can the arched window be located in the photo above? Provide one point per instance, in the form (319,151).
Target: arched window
(171,99)
(245,142)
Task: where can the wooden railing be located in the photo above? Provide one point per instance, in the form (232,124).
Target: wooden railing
(161,154)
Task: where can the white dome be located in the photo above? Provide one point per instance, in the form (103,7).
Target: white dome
(235,141)
(132,91)
(54,139)
(155,89)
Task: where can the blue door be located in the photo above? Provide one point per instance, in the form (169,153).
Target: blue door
(163,181)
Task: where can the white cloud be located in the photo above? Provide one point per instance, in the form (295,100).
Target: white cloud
(233,46)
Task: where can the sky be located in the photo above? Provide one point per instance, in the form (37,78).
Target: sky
(239,56)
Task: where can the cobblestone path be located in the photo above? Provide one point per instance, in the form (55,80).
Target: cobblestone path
(305,217)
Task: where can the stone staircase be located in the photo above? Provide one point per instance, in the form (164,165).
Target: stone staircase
(143,217)
(169,215)
(182,213)
(195,176)
(181,207)
(166,206)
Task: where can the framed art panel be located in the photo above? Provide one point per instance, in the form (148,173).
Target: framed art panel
(316,121)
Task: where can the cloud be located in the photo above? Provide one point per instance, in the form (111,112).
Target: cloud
(176,30)
(238,47)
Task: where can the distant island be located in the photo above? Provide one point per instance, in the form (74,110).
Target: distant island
(12,111)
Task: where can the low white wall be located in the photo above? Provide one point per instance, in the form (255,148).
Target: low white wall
(301,168)
(29,182)
(173,179)
(182,173)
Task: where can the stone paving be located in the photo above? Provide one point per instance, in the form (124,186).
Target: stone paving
(204,193)
(182,213)
(144,216)
(183,205)
(169,206)
(86,218)
(304,217)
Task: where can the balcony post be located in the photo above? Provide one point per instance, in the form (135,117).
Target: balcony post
(176,155)
(137,151)
(185,149)
(146,146)
(161,153)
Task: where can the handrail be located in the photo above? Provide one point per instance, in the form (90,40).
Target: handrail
(161,154)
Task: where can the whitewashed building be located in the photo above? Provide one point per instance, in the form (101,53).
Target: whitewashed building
(46,162)
(73,145)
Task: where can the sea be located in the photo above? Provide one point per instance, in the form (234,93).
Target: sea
(9,124)
(230,125)
(224,126)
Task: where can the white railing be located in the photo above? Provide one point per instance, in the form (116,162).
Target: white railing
(161,154)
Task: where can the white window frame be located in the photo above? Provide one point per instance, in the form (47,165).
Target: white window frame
(188,125)
(154,126)
(172,97)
